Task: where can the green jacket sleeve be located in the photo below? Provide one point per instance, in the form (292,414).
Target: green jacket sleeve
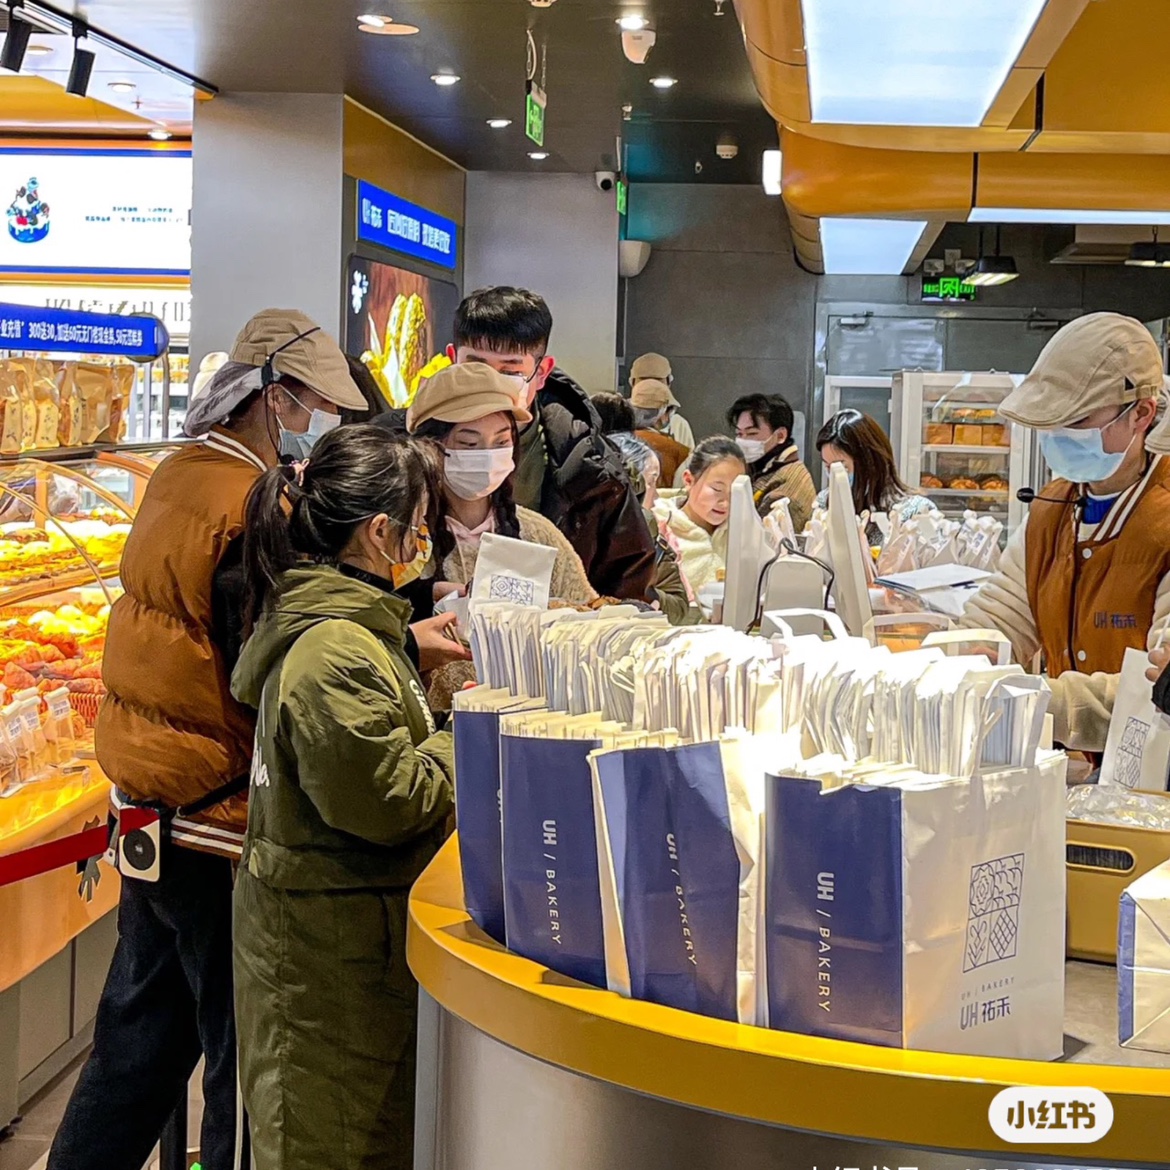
(348,728)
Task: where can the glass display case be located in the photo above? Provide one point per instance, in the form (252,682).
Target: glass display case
(953,446)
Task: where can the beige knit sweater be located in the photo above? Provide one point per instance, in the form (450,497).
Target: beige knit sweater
(569,583)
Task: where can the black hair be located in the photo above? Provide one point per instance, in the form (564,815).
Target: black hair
(763,408)
(354,473)
(503,502)
(711,451)
(877,487)
(363,379)
(616,413)
(504,319)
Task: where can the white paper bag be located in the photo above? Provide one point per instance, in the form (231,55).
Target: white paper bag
(1143,963)
(1137,752)
(513,570)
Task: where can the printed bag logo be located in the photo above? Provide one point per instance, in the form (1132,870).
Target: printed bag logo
(1128,769)
(993,917)
(514,589)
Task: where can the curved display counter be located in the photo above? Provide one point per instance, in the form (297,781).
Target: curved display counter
(521,1067)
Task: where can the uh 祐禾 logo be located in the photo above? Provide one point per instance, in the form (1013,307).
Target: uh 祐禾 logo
(28,214)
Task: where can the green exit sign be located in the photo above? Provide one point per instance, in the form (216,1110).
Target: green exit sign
(947,288)
(534,113)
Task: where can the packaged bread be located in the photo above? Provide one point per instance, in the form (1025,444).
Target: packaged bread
(58,726)
(46,401)
(11,418)
(29,703)
(968,435)
(123,383)
(22,371)
(994,435)
(939,434)
(930,481)
(94,385)
(69,421)
(13,750)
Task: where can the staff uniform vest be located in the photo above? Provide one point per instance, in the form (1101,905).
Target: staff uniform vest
(1092,597)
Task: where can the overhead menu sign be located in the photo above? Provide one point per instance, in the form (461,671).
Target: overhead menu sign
(123,212)
(38,330)
(393,223)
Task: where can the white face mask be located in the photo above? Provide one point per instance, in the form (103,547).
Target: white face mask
(471,475)
(752,449)
(299,444)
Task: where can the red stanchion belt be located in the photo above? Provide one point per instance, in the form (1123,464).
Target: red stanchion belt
(50,855)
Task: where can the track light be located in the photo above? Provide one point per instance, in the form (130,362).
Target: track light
(1149,254)
(992,270)
(15,43)
(82,67)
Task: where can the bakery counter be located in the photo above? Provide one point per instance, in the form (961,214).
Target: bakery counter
(522,1068)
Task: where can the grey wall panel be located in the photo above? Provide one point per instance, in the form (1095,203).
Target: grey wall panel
(46,1001)
(557,235)
(689,218)
(93,950)
(1010,347)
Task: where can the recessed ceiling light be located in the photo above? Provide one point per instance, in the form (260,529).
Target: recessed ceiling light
(123,86)
(499,123)
(445,78)
(912,62)
(868,247)
(538,155)
(663,82)
(632,23)
(385,26)
(773,166)
(158,134)
(39,50)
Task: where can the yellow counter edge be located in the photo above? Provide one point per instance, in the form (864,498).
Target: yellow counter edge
(884,1095)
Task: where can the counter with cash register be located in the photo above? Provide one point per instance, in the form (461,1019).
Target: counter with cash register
(721,899)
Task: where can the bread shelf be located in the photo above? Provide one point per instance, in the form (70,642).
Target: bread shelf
(955,449)
(47,586)
(948,493)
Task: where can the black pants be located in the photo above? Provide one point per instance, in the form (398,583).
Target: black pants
(167,1000)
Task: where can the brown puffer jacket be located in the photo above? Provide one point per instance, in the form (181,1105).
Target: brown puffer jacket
(169,730)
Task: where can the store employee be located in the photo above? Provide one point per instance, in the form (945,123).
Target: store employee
(1088,575)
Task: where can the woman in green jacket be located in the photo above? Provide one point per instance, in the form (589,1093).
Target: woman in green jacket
(350,797)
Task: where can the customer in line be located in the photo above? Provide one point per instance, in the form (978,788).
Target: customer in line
(351,794)
(472,415)
(170,735)
(652,410)
(861,446)
(1088,575)
(670,590)
(763,428)
(654,365)
(565,469)
(695,519)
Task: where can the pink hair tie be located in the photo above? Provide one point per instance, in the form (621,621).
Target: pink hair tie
(299,472)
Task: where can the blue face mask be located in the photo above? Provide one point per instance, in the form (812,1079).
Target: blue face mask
(1079,455)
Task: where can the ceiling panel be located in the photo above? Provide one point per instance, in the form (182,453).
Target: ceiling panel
(314,46)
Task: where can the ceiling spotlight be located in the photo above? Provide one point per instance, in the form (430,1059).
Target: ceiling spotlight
(384,26)
(445,78)
(371,20)
(632,23)
(663,82)
(15,44)
(80,71)
(159,134)
(1149,254)
(122,86)
(538,155)
(499,123)
(992,270)
(39,50)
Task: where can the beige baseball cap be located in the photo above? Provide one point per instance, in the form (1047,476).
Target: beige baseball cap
(465,393)
(650,394)
(1103,359)
(650,365)
(300,348)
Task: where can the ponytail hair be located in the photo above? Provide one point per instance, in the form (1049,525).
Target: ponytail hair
(309,511)
(503,501)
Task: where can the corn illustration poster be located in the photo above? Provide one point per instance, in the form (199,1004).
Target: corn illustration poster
(399,323)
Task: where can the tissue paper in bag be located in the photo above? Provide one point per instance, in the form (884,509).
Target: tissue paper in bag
(513,570)
(921,914)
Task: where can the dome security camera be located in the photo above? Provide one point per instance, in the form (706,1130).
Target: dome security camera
(605,180)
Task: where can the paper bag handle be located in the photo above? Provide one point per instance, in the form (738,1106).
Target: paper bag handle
(957,638)
(833,623)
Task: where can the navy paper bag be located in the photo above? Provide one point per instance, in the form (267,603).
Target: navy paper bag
(552,898)
(676,874)
(833,904)
(477,815)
